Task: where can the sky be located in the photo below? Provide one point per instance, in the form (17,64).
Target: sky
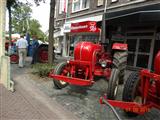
(41,13)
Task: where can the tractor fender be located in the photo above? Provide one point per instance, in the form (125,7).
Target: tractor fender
(157,63)
(42,45)
(119,46)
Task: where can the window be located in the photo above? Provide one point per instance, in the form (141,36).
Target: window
(78,5)
(61,6)
(99,2)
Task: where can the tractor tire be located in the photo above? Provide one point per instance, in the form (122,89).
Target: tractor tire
(113,84)
(120,62)
(57,71)
(131,89)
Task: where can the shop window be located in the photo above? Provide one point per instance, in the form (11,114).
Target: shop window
(130,59)
(144,45)
(141,34)
(78,5)
(131,44)
(142,61)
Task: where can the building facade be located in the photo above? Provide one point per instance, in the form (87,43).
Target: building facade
(135,21)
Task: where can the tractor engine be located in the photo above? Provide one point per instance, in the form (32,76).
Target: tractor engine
(85,51)
(93,54)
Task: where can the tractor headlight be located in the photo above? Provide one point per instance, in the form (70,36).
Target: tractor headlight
(104,64)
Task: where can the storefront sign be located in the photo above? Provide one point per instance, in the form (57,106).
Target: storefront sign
(87,26)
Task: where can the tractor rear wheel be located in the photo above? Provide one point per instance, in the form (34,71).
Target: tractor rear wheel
(60,70)
(113,84)
(42,54)
(14,58)
(131,91)
(120,62)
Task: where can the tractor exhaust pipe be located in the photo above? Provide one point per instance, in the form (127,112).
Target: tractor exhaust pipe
(104,41)
(103,32)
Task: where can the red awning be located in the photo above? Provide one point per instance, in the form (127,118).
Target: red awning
(87,26)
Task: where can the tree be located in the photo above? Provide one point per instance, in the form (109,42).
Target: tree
(10,4)
(35,29)
(51,32)
(51,29)
(21,17)
(38,1)
(22,21)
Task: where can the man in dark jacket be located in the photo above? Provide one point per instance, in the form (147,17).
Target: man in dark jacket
(35,45)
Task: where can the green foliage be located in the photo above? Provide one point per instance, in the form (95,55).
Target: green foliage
(42,69)
(35,29)
(22,21)
(20,18)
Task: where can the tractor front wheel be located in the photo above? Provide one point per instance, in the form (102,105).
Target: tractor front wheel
(60,69)
(113,84)
(131,91)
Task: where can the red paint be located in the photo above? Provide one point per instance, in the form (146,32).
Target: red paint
(43,56)
(157,63)
(127,106)
(85,51)
(149,91)
(14,58)
(64,6)
(85,65)
(120,46)
(87,26)
(73,81)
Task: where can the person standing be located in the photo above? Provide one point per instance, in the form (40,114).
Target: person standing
(22,45)
(35,45)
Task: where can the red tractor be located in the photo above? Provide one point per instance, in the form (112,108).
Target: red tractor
(13,52)
(141,91)
(92,60)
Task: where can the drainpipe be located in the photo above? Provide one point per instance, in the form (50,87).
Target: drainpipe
(2,26)
(65,46)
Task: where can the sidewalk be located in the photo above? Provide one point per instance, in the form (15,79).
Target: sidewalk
(28,102)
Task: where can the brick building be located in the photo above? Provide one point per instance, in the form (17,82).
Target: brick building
(137,22)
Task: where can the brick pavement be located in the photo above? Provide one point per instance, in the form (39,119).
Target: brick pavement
(21,106)
(28,102)
(16,106)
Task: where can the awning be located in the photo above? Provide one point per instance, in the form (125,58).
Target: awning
(83,19)
(145,13)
